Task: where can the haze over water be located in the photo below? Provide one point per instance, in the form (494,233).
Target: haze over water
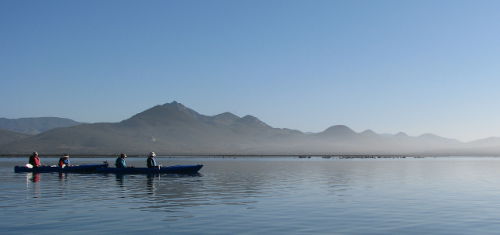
(249,195)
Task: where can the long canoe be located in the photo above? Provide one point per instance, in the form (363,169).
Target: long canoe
(178,169)
(79,169)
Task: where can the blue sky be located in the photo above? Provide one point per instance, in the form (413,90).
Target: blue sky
(389,66)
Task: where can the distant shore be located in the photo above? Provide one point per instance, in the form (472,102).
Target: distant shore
(303,156)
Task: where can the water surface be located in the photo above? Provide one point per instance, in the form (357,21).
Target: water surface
(249,195)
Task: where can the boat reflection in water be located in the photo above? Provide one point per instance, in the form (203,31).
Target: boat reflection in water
(178,193)
(32,183)
(174,196)
(34,177)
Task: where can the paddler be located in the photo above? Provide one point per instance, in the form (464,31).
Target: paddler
(120,161)
(64,160)
(35,160)
(151,162)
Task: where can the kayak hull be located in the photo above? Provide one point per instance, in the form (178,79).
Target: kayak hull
(178,169)
(103,168)
(78,169)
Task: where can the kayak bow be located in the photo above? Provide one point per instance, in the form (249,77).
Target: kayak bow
(78,169)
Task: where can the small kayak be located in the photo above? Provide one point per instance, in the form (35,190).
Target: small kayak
(178,169)
(78,169)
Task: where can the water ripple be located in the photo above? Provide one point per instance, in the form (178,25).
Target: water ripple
(257,195)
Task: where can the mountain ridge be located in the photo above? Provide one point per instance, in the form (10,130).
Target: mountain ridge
(173,128)
(7,136)
(35,125)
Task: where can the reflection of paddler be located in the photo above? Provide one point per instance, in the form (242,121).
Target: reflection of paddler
(62,176)
(152,183)
(36,177)
(35,160)
(64,160)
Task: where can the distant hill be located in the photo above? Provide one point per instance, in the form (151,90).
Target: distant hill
(173,128)
(10,136)
(168,128)
(33,126)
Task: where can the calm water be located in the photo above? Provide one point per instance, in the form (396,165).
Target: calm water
(260,196)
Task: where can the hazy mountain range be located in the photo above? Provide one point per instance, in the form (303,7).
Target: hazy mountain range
(7,136)
(173,128)
(33,126)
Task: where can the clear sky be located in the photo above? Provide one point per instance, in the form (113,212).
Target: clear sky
(390,66)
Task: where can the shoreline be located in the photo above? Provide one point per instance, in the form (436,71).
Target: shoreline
(301,156)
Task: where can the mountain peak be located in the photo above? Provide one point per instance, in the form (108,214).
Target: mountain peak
(226,115)
(226,118)
(167,112)
(368,133)
(338,130)
(174,104)
(249,119)
(401,134)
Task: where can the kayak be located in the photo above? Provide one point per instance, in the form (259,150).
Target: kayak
(103,168)
(78,169)
(178,169)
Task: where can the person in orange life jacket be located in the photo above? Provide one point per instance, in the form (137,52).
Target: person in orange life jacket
(35,160)
(64,161)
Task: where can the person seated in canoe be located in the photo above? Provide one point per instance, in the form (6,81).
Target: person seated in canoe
(64,161)
(35,160)
(151,162)
(120,161)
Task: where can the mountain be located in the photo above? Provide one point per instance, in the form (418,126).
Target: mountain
(338,132)
(401,135)
(486,146)
(168,128)
(368,133)
(486,142)
(226,118)
(438,139)
(33,126)
(7,136)
(173,128)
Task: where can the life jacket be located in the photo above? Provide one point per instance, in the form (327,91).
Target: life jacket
(120,163)
(151,162)
(63,161)
(35,161)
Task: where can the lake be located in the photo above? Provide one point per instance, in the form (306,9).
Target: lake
(256,195)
